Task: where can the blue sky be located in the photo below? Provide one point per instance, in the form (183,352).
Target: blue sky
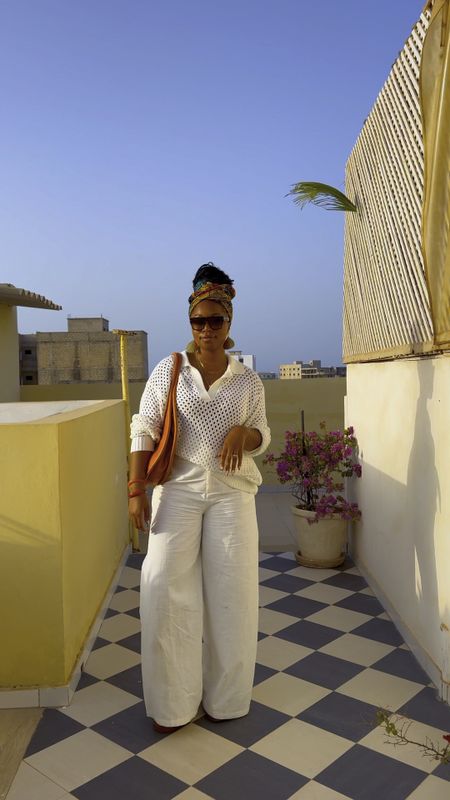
(140,139)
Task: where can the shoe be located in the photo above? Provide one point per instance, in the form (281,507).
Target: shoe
(213,719)
(164,729)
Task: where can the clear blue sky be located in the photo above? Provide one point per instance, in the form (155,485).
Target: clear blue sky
(140,139)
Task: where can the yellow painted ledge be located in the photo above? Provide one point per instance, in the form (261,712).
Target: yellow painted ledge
(63,531)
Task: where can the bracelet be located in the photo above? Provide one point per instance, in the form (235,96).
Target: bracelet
(134,494)
(136,480)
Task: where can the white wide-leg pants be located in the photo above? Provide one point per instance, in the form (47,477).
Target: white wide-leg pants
(199,599)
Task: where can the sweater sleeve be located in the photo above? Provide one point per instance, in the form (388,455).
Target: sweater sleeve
(257,418)
(148,422)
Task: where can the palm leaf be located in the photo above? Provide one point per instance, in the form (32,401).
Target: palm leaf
(321,194)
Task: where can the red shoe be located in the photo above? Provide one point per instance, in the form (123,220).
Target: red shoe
(164,729)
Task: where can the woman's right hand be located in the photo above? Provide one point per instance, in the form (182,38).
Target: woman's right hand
(139,511)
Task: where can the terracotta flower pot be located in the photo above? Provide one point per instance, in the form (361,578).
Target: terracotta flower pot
(322,544)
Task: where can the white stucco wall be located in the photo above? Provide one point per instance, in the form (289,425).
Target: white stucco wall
(9,355)
(401,414)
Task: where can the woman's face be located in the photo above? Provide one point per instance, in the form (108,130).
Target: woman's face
(209,338)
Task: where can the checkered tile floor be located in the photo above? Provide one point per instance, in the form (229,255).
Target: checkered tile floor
(328,657)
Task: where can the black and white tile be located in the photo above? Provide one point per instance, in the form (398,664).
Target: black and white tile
(328,658)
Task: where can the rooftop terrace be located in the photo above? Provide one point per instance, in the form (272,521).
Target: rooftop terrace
(328,657)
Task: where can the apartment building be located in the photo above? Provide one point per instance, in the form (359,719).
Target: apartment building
(311,369)
(247,360)
(268,376)
(87,353)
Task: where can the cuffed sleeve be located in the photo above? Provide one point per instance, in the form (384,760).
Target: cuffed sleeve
(140,443)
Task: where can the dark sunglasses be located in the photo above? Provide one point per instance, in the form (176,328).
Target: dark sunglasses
(215,322)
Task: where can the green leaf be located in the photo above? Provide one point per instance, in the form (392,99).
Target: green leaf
(320,194)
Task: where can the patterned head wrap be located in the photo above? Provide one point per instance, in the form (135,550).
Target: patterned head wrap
(222,293)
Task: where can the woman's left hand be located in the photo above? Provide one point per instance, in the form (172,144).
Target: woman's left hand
(233,448)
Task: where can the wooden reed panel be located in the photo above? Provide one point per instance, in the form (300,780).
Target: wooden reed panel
(406,249)
(386,306)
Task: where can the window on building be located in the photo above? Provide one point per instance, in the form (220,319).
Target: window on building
(28,352)
(28,377)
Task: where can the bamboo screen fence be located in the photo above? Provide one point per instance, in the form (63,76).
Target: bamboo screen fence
(386,305)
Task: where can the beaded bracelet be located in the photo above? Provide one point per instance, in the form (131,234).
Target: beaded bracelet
(134,494)
(136,480)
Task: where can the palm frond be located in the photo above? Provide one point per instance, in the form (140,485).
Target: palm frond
(320,194)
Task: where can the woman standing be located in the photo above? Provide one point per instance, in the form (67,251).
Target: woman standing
(199,582)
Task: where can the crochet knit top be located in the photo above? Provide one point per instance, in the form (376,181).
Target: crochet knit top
(205,416)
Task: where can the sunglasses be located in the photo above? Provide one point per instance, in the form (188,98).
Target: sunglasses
(215,322)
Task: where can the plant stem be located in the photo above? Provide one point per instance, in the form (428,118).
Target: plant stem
(397,727)
(309,499)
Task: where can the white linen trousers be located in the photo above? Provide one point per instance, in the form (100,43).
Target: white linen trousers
(199,598)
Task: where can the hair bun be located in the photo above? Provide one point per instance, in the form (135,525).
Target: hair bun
(209,273)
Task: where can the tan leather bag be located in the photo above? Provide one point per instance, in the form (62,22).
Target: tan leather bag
(161,460)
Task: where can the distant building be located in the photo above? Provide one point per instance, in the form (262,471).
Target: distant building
(87,353)
(268,376)
(28,358)
(312,369)
(248,361)
(290,371)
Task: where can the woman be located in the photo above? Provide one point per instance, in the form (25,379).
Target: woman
(199,582)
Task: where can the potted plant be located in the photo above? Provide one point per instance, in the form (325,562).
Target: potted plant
(314,464)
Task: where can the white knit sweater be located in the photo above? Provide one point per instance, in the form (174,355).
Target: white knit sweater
(205,416)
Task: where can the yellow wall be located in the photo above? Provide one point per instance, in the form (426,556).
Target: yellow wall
(9,355)
(81,391)
(321,399)
(63,528)
(94,517)
(30,565)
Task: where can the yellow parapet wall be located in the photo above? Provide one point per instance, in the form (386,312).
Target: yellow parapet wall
(320,398)
(63,530)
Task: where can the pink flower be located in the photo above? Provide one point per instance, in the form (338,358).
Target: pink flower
(314,463)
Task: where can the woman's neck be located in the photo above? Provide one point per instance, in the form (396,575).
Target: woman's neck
(212,361)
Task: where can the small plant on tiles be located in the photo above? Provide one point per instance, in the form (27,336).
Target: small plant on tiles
(397,728)
(314,465)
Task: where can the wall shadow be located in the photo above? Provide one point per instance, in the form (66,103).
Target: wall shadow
(396,540)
